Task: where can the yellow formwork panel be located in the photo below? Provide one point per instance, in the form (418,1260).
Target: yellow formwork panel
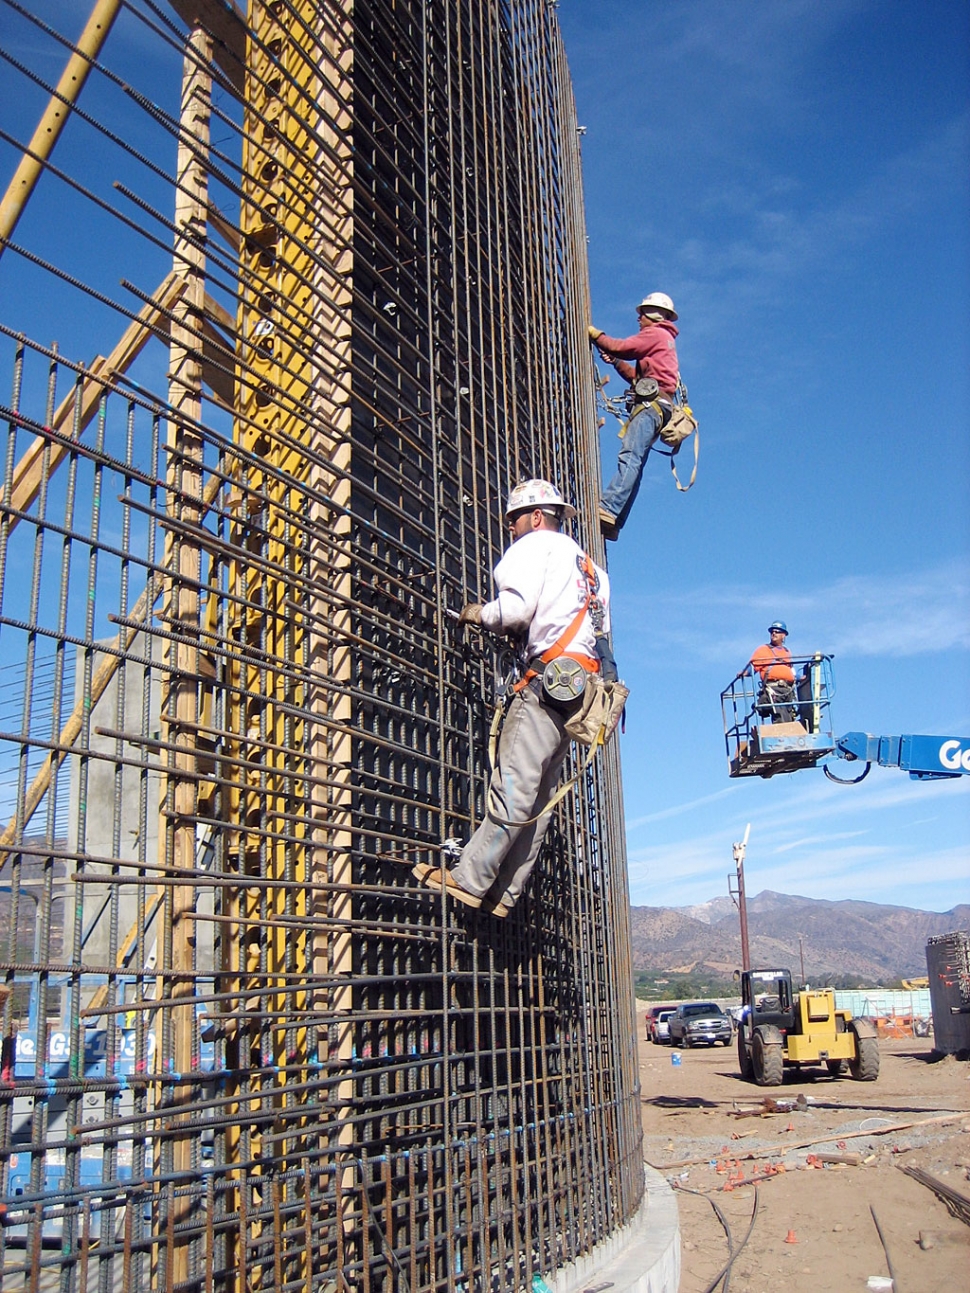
(292,416)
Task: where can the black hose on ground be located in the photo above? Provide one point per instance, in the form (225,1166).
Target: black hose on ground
(725,1272)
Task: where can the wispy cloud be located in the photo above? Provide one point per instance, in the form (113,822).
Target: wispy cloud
(918,613)
(755,225)
(753,60)
(816,840)
(678,809)
(780,233)
(683,874)
(801,844)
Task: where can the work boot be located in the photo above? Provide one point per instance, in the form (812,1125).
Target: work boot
(496,908)
(608,525)
(433,877)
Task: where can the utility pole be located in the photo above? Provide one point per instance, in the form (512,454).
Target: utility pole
(801,957)
(736,890)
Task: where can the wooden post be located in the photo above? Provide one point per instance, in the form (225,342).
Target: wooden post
(183,563)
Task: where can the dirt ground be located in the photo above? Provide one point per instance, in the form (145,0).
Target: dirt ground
(813,1231)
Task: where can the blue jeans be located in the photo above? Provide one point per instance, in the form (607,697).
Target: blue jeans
(641,432)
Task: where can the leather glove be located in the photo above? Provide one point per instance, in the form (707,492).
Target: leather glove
(594,332)
(471,613)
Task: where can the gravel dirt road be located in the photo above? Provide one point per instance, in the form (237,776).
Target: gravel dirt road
(814,1230)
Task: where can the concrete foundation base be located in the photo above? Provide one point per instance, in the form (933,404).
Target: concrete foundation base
(642,1257)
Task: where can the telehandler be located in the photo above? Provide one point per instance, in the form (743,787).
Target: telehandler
(779,1027)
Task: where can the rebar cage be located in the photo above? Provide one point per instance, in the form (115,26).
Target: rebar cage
(242,1048)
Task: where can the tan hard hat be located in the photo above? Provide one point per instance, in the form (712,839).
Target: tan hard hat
(658,301)
(537,493)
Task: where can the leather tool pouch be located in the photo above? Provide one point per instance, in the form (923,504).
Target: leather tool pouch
(678,427)
(596,719)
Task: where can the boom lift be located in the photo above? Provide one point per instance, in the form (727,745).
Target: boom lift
(758,747)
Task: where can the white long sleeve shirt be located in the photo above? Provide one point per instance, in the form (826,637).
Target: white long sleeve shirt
(540,589)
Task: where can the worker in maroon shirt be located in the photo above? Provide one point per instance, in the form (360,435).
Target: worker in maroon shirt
(653,351)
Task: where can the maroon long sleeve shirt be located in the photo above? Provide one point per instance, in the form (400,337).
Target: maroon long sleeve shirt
(653,350)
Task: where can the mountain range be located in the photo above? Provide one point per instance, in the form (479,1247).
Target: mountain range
(876,941)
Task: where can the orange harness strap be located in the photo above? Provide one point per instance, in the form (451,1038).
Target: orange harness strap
(558,647)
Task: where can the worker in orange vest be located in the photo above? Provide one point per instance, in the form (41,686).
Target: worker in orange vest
(772,662)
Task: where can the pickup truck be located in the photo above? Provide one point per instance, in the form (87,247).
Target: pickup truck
(697,1022)
(653,1014)
(661,1028)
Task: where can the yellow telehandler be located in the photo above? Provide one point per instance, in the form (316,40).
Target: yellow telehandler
(780,1027)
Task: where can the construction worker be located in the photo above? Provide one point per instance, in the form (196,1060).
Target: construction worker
(654,351)
(772,663)
(549,595)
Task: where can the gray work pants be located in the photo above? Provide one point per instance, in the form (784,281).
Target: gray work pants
(531,751)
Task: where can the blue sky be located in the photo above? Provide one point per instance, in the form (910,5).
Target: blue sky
(796,177)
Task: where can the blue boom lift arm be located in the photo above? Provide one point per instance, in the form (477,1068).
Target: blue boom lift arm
(925,758)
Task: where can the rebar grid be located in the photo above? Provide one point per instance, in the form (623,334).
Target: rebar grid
(243,1049)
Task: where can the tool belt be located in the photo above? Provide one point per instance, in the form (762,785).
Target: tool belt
(676,421)
(591,722)
(559,682)
(594,720)
(643,394)
(642,391)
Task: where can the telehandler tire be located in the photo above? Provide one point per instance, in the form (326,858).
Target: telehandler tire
(744,1058)
(766,1056)
(865,1066)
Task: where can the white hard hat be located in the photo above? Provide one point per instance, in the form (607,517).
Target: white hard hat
(658,301)
(537,493)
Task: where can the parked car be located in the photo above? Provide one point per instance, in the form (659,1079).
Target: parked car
(661,1028)
(651,1019)
(697,1022)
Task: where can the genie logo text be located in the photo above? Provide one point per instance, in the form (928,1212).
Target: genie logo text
(953,757)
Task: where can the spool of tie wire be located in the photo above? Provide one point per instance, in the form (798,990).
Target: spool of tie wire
(646,389)
(563,680)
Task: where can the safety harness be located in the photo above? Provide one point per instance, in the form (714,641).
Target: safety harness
(594,606)
(780,656)
(557,651)
(675,422)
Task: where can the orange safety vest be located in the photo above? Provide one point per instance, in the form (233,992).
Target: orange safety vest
(773,664)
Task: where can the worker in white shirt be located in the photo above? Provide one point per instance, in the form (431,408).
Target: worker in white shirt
(551,595)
